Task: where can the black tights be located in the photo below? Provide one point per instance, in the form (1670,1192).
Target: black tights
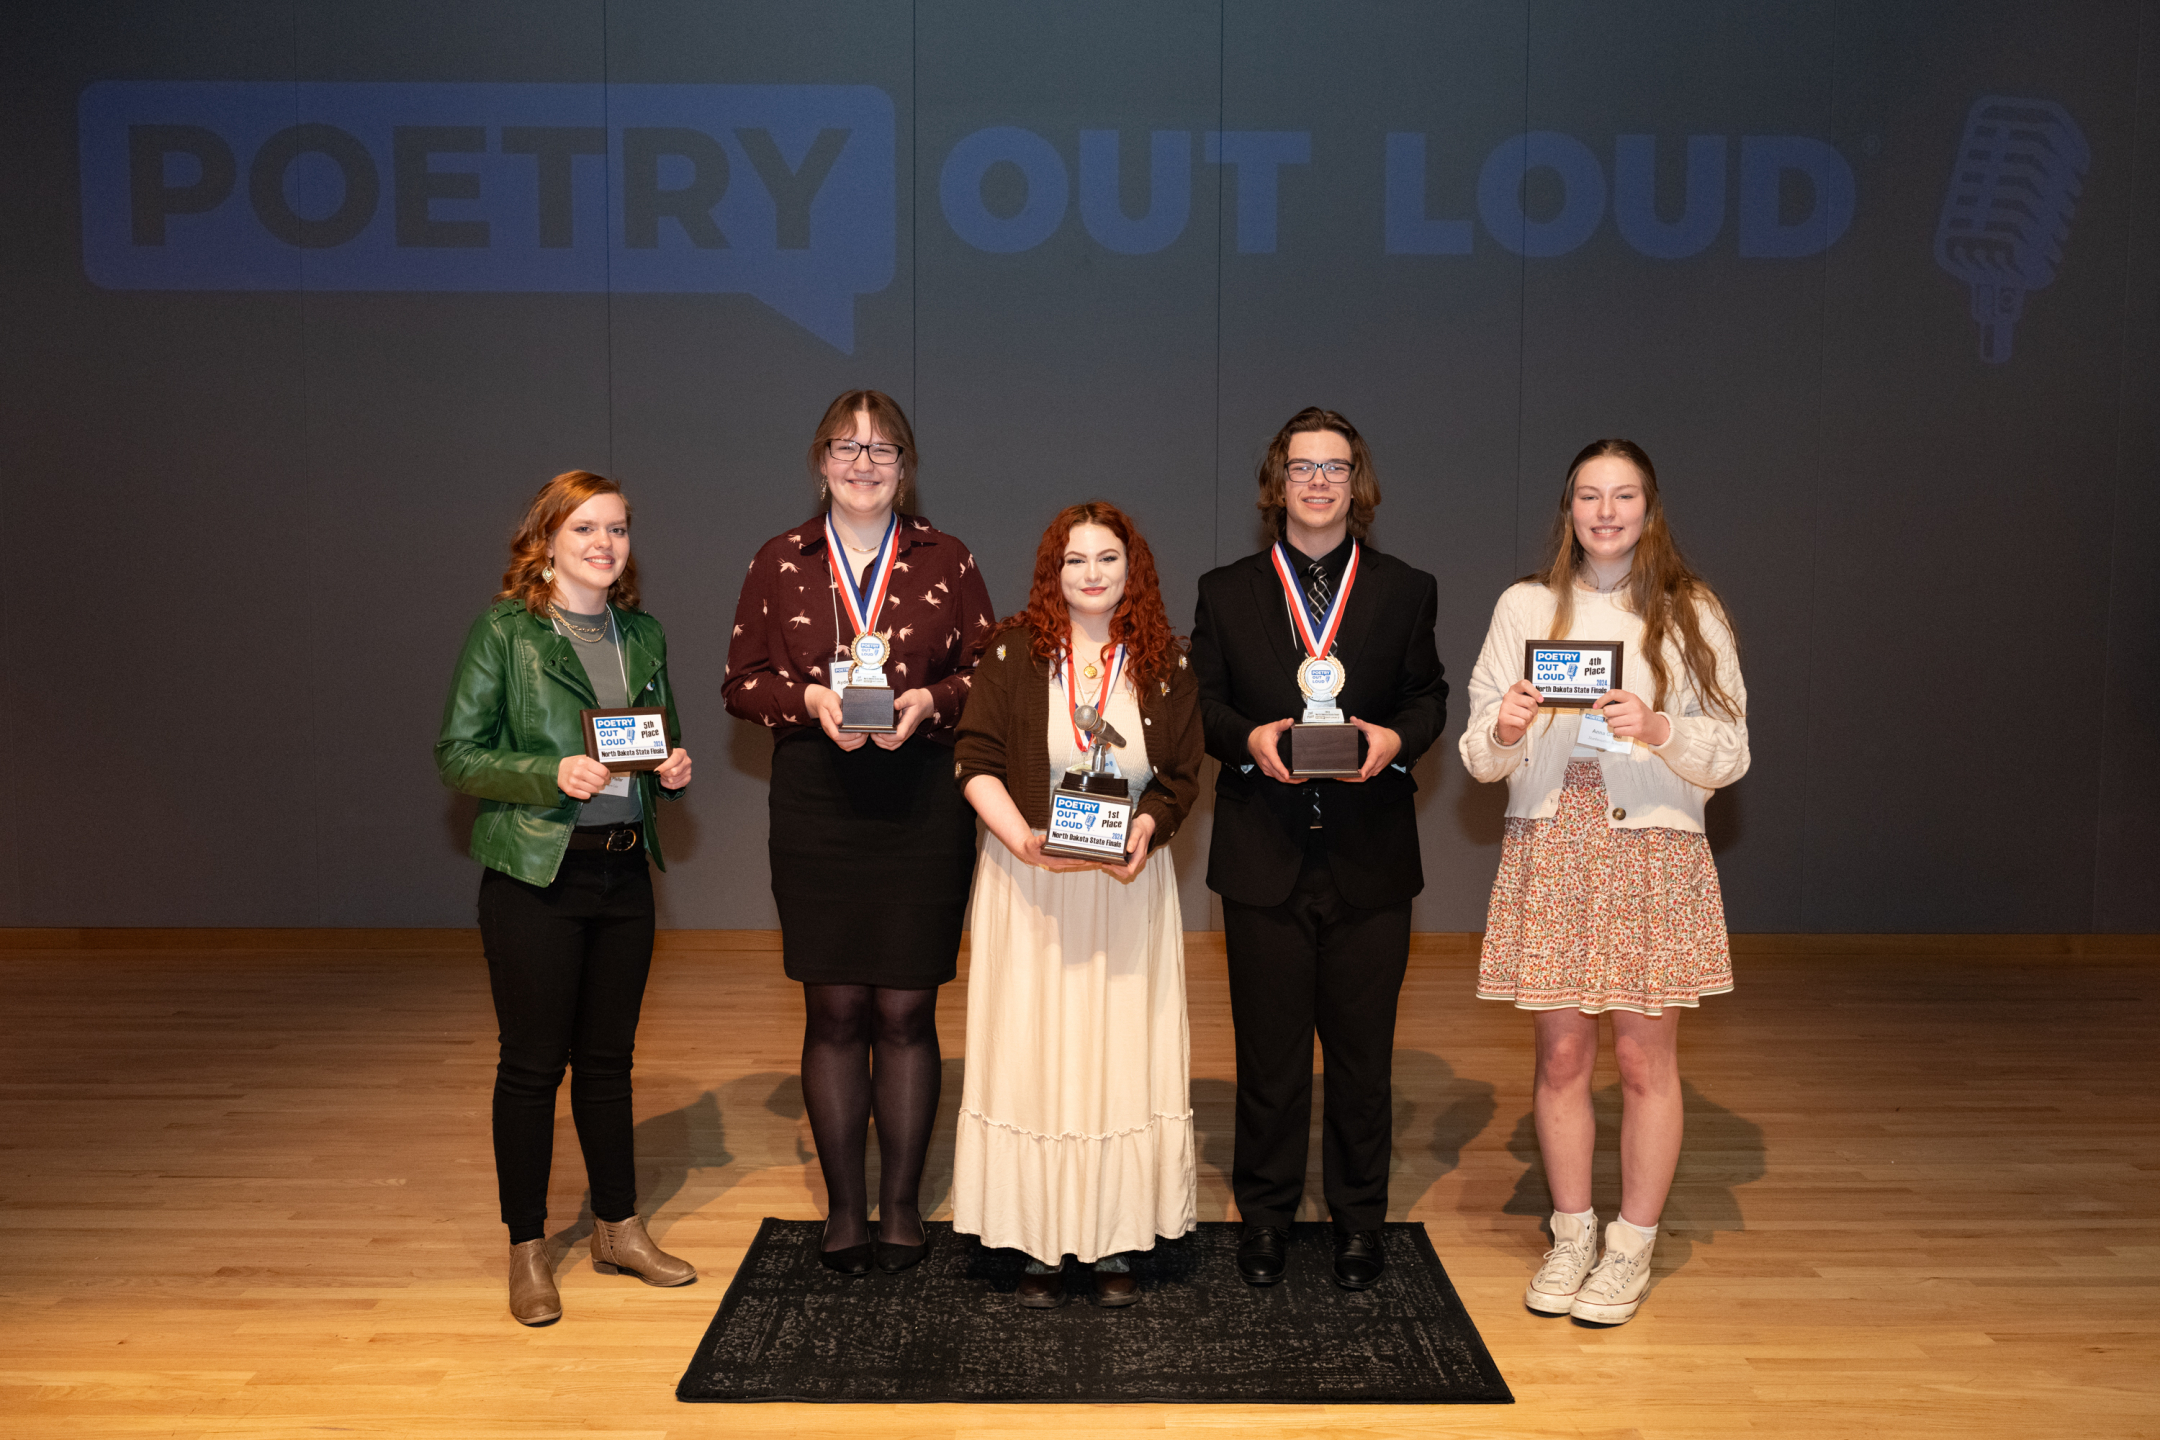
(867,1048)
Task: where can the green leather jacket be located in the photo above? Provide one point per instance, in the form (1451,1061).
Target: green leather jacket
(511,717)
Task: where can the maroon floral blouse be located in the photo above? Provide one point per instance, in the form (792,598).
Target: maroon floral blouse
(790,625)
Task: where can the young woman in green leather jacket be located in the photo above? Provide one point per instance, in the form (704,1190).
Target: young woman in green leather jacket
(566,901)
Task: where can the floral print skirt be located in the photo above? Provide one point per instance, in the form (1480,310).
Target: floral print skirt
(1588,917)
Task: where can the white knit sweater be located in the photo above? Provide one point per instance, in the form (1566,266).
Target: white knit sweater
(1661,786)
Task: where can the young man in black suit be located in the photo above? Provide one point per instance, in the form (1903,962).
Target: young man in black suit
(1316,875)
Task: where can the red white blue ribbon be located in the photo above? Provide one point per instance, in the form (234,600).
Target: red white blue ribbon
(1069,682)
(877,579)
(1317,643)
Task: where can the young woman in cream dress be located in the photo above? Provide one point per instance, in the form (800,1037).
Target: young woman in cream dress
(1075,1134)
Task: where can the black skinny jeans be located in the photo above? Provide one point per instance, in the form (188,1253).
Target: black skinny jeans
(567,965)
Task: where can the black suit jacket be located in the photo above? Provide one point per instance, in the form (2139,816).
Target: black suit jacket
(1245,654)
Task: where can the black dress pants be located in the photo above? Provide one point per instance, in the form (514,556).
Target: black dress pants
(567,965)
(1314,962)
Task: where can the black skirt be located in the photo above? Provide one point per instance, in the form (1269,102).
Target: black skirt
(872,854)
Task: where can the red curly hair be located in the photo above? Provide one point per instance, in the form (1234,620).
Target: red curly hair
(1139,623)
(550,509)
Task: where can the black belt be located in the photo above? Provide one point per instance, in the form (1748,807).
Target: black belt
(614,839)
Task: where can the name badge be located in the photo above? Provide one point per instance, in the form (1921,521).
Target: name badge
(1572,672)
(1595,733)
(620,785)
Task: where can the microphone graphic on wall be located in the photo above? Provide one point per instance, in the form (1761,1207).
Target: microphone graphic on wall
(2012,192)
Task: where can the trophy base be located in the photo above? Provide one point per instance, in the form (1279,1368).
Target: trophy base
(1321,751)
(867,707)
(1090,818)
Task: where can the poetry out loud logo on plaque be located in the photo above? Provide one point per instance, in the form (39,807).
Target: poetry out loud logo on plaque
(781,192)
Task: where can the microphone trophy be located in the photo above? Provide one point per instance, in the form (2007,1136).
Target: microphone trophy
(1091,809)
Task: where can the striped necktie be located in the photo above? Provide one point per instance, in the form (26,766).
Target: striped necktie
(1318,593)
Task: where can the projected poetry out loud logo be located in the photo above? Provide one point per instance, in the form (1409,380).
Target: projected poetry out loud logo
(782,192)
(2013,189)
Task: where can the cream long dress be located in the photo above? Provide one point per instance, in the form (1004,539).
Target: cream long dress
(1076,1133)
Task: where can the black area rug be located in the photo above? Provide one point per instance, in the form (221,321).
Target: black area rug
(949,1330)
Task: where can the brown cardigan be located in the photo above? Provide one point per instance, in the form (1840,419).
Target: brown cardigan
(1005,731)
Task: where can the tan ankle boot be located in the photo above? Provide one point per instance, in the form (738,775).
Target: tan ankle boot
(623,1245)
(533,1300)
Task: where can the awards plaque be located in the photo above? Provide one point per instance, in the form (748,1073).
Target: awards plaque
(1091,809)
(866,699)
(1572,672)
(1323,743)
(627,740)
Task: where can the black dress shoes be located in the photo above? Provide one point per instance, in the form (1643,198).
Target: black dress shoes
(850,1260)
(854,1260)
(892,1259)
(1358,1261)
(1263,1254)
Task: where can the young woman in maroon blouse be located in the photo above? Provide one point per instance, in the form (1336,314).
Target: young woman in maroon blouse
(872,846)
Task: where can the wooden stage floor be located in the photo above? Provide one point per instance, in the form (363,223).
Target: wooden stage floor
(247,1192)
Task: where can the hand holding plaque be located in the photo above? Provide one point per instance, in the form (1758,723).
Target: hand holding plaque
(1572,673)
(1091,810)
(627,740)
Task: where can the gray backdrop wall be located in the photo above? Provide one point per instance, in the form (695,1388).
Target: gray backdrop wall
(304,300)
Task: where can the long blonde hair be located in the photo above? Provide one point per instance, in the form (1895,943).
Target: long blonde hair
(1661,588)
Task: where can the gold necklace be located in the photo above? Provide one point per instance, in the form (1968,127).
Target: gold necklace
(588,633)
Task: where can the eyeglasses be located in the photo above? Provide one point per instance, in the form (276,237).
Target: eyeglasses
(882,452)
(1327,472)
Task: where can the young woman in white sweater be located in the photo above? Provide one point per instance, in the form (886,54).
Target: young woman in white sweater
(1607,899)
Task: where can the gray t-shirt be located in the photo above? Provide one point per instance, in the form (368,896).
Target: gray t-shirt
(602,659)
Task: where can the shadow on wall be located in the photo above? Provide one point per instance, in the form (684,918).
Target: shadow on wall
(1480,810)
(1722,1152)
(679,833)
(1725,818)
(458,813)
(749,749)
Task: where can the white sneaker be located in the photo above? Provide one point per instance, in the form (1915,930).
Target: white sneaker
(1614,1291)
(1552,1290)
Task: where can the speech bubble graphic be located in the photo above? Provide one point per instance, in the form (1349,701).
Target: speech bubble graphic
(781,192)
